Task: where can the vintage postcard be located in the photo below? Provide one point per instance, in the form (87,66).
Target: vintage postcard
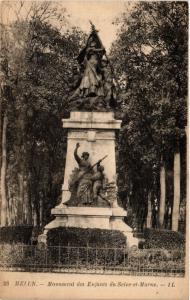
(93,150)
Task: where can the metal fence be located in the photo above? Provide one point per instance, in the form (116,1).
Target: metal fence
(70,259)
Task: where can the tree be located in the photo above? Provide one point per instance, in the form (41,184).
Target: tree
(176,203)
(40,65)
(150,58)
(162,195)
(5,97)
(3,174)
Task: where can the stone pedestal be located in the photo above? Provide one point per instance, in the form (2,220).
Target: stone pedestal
(95,131)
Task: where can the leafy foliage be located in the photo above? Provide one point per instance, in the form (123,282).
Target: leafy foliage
(150,58)
(165,239)
(40,61)
(83,237)
(15,234)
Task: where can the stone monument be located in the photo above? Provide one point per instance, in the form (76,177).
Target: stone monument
(89,192)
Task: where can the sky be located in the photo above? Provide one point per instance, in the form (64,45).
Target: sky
(101,13)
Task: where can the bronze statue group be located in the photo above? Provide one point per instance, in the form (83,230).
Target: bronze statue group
(94,77)
(87,182)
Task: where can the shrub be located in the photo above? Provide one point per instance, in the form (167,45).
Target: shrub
(165,239)
(96,243)
(85,236)
(16,234)
(11,254)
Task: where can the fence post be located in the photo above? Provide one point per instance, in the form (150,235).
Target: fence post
(22,254)
(78,251)
(59,256)
(124,255)
(115,249)
(139,263)
(46,257)
(68,253)
(106,251)
(87,255)
(34,264)
(96,257)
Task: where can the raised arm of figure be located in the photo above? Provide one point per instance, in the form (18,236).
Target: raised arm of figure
(77,158)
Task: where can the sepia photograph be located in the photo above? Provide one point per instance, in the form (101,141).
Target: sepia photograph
(93,150)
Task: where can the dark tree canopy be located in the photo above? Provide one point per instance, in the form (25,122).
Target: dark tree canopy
(40,61)
(150,58)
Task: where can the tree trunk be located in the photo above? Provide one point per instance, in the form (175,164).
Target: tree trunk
(176,199)
(34,215)
(41,212)
(149,215)
(28,207)
(3,173)
(14,211)
(21,198)
(21,161)
(162,195)
(27,213)
(35,219)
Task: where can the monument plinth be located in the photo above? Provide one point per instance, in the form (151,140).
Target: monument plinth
(89,191)
(95,132)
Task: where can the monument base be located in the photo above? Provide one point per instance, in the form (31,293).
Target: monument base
(90,217)
(94,132)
